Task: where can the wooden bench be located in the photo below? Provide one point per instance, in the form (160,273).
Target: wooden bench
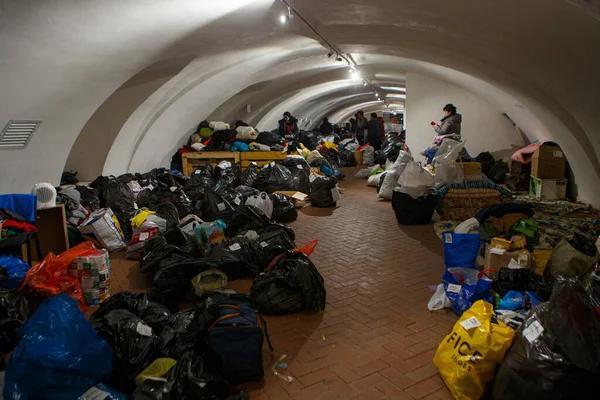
(191,161)
(260,158)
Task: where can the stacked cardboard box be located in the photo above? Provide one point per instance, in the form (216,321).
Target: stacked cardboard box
(547,181)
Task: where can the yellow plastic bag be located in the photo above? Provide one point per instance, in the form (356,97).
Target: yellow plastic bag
(155,370)
(467,358)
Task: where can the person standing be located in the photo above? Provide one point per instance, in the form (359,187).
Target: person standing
(382,127)
(326,128)
(353,125)
(374,132)
(361,125)
(451,123)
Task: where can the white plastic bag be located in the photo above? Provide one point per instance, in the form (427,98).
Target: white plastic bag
(393,173)
(369,155)
(439,300)
(363,173)
(447,173)
(374,180)
(246,133)
(261,201)
(415,181)
(448,152)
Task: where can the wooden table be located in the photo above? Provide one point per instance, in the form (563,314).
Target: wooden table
(191,161)
(260,158)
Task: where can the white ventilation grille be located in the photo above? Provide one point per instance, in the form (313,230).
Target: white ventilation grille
(17,134)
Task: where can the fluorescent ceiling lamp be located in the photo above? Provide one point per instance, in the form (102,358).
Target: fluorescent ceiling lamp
(396,96)
(393,89)
(355,75)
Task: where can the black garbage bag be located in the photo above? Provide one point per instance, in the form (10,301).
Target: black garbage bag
(147,198)
(249,176)
(172,281)
(154,315)
(168,211)
(14,312)
(300,173)
(521,280)
(157,249)
(187,330)
(497,171)
(346,158)
(250,218)
(273,178)
(89,197)
(250,252)
(4,276)
(188,379)
(203,176)
(126,178)
(486,160)
(224,178)
(118,197)
(380,157)
(321,192)
(293,284)
(233,197)
(247,191)
(332,159)
(583,244)
(182,202)
(133,343)
(283,208)
(308,139)
(69,178)
(556,352)
(215,207)
(269,138)
(275,241)
(381,179)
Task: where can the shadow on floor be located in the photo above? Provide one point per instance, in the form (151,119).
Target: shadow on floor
(425,235)
(318,212)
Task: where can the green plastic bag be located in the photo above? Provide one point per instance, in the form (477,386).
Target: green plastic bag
(529,228)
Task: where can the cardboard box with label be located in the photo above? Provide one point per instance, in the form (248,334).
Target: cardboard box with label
(548,162)
(548,189)
(494,260)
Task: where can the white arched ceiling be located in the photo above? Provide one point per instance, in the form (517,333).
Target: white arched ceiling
(62,59)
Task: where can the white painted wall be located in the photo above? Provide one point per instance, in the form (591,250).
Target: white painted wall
(484,126)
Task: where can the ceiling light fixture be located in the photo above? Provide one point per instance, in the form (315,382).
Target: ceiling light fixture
(393,89)
(285,18)
(330,53)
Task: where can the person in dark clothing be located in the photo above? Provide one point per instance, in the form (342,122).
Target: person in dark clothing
(374,132)
(326,128)
(361,125)
(288,126)
(451,123)
(352,125)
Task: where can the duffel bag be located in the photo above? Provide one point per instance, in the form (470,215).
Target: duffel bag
(235,340)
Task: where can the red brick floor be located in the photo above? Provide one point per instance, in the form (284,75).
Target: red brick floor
(376,338)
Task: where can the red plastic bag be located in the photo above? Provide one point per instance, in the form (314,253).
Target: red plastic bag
(51,277)
(307,249)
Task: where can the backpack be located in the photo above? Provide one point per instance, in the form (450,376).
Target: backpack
(235,340)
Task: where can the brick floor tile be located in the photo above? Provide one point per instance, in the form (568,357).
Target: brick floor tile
(371,367)
(421,373)
(398,363)
(399,350)
(277,392)
(423,346)
(399,379)
(344,372)
(392,391)
(316,376)
(369,393)
(311,392)
(423,388)
(367,382)
(340,387)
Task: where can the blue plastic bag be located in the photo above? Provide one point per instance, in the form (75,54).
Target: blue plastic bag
(460,249)
(464,286)
(514,301)
(60,355)
(16,268)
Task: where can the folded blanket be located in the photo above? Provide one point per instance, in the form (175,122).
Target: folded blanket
(246,132)
(218,126)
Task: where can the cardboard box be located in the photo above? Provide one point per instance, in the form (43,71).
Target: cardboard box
(496,261)
(548,189)
(518,168)
(549,162)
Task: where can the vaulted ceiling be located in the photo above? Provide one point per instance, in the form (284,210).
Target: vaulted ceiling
(120,84)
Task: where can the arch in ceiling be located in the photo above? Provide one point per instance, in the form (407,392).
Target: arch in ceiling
(62,61)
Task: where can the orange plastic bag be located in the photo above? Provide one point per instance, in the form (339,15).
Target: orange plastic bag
(50,277)
(307,249)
